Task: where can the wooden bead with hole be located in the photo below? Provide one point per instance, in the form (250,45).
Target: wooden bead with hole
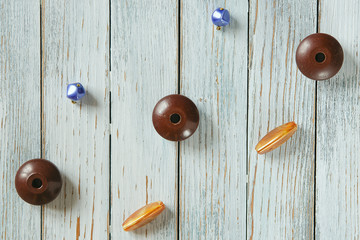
(319,56)
(38,181)
(175,117)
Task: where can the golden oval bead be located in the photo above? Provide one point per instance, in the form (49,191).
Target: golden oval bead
(143,216)
(276,137)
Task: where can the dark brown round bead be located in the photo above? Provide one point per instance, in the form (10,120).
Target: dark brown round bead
(175,117)
(319,56)
(38,181)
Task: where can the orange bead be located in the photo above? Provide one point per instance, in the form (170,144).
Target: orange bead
(143,216)
(276,137)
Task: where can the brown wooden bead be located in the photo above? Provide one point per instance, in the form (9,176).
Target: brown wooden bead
(38,181)
(319,56)
(175,117)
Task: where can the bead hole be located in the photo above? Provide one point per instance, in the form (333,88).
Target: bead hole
(320,57)
(175,118)
(37,183)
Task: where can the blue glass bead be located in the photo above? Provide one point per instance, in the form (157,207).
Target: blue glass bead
(75,91)
(220,17)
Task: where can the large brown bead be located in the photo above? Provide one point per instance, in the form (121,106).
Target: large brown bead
(38,181)
(319,56)
(175,117)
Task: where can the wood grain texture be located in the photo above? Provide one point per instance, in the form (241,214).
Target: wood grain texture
(281,183)
(213,160)
(19,112)
(75,38)
(244,81)
(143,70)
(338,124)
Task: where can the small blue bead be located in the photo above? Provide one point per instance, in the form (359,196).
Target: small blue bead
(75,91)
(220,17)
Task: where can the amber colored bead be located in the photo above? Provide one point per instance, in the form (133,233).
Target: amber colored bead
(319,56)
(38,181)
(143,216)
(276,137)
(175,117)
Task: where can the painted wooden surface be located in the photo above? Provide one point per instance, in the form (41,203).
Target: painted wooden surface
(144,68)
(75,44)
(213,160)
(19,112)
(338,124)
(244,80)
(281,183)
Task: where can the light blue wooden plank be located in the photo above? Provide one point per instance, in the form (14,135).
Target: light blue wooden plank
(281,183)
(213,160)
(76,136)
(19,112)
(338,129)
(144,48)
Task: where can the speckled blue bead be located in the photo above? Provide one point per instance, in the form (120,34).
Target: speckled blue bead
(220,17)
(75,91)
